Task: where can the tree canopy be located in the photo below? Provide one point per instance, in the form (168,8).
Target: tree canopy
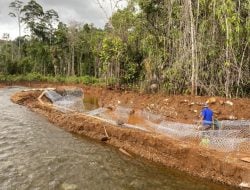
(199,47)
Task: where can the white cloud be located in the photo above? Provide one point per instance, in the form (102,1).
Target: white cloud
(83,11)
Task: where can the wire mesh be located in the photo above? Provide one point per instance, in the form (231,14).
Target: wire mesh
(235,124)
(70,102)
(76,92)
(122,113)
(123,110)
(177,130)
(219,134)
(52,95)
(97,111)
(150,116)
(233,136)
(225,144)
(223,140)
(245,146)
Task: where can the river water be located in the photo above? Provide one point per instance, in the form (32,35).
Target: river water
(37,155)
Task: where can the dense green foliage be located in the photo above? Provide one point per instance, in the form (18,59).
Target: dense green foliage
(192,47)
(36,77)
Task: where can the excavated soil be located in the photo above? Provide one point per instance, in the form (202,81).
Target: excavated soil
(2,85)
(178,108)
(185,109)
(228,168)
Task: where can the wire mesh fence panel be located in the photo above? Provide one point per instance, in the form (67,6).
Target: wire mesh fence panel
(233,136)
(123,110)
(122,113)
(177,130)
(134,127)
(219,133)
(70,102)
(235,124)
(96,111)
(245,132)
(245,146)
(223,140)
(225,144)
(150,116)
(77,92)
(107,118)
(52,95)
(178,126)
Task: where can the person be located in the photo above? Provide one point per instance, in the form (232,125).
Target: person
(206,117)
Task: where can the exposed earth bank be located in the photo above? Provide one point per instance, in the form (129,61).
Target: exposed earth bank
(2,85)
(178,108)
(226,168)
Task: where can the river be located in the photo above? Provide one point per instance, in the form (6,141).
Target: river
(36,155)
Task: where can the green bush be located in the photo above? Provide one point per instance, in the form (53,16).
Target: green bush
(36,77)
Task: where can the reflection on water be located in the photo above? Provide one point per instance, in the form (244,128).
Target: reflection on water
(35,154)
(90,102)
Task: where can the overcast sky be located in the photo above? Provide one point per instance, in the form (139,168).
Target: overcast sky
(84,11)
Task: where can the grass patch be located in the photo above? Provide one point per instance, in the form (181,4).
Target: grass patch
(36,77)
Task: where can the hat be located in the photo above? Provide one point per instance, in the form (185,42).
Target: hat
(205,105)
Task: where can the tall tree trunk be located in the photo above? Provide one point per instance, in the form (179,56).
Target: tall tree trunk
(73,61)
(196,47)
(80,64)
(68,61)
(240,70)
(19,40)
(193,78)
(227,65)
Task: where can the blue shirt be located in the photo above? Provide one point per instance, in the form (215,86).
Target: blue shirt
(207,115)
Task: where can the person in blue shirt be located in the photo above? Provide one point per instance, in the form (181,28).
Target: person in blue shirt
(206,117)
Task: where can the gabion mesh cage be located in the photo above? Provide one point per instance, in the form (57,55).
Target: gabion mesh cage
(223,140)
(150,116)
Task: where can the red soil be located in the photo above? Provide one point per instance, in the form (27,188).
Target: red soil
(185,156)
(178,108)
(184,109)
(2,85)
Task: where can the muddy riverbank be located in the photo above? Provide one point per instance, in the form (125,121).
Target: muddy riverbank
(185,156)
(35,154)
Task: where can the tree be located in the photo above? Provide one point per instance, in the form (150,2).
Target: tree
(186,47)
(33,18)
(111,56)
(16,7)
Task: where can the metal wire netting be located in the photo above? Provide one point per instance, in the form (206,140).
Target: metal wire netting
(233,136)
(235,123)
(97,111)
(70,102)
(150,116)
(223,140)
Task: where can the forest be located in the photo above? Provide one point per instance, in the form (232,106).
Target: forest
(197,47)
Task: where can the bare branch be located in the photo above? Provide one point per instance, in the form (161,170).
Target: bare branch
(102,8)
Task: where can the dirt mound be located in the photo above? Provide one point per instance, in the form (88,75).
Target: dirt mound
(2,85)
(178,108)
(70,90)
(184,156)
(184,109)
